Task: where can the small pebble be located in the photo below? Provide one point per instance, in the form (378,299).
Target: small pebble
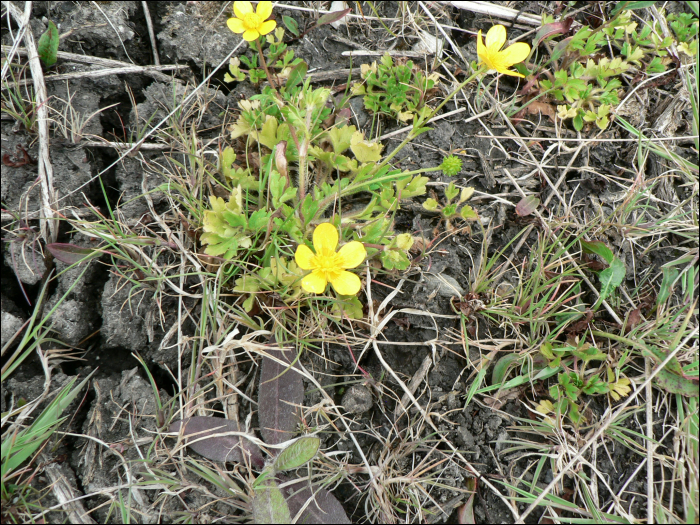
(357,399)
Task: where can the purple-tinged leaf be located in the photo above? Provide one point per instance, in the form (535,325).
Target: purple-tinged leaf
(69,253)
(217,448)
(527,205)
(324,508)
(329,18)
(281,158)
(465,514)
(281,392)
(555,28)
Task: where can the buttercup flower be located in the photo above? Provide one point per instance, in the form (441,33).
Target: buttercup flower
(329,266)
(495,59)
(251,23)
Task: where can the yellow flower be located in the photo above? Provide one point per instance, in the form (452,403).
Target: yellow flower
(329,265)
(251,23)
(495,59)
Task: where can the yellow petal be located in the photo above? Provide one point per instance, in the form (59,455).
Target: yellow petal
(264,11)
(352,254)
(515,54)
(480,48)
(346,283)
(267,27)
(251,35)
(242,8)
(304,257)
(235,25)
(495,38)
(325,238)
(510,73)
(314,283)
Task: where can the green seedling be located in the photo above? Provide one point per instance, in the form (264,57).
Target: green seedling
(612,276)
(451,209)
(394,89)
(572,384)
(586,81)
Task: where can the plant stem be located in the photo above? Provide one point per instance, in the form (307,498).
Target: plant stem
(273,84)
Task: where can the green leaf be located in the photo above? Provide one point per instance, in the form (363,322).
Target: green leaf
(296,76)
(341,137)
(451,191)
(279,191)
(502,366)
(291,24)
(47,48)
(297,454)
(611,278)
(578,122)
(630,5)
(259,220)
(666,288)
(430,204)
(595,386)
(348,306)
(309,208)
(269,505)
(394,260)
(449,210)
(365,151)
(468,213)
(599,248)
(671,377)
(413,187)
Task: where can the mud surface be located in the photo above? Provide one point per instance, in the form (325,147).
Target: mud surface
(108,322)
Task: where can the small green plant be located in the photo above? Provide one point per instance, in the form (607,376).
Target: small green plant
(612,276)
(394,89)
(449,210)
(47,47)
(586,81)
(22,108)
(571,384)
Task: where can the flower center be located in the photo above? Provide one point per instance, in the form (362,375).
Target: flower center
(251,21)
(329,265)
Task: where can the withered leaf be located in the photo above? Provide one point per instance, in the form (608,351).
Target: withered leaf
(218,448)
(281,391)
(324,508)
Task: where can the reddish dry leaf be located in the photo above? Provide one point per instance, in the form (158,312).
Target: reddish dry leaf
(324,508)
(527,205)
(217,448)
(555,28)
(634,318)
(281,392)
(581,325)
(68,253)
(537,107)
(20,159)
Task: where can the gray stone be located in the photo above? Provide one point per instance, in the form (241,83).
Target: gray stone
(357,399)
